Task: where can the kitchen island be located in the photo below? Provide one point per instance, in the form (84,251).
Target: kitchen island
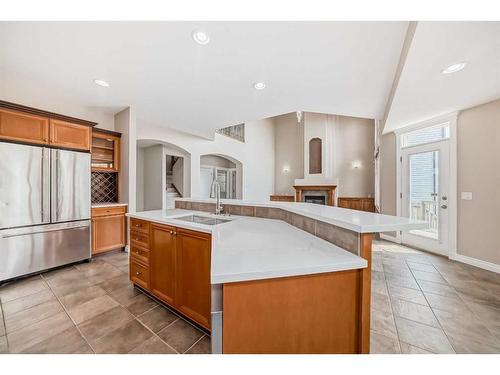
(269,278)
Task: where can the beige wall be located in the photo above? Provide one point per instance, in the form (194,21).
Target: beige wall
(289,151)
(388,174)
(478,149)
(354,142)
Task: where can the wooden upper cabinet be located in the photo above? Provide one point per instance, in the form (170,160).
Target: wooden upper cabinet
(69,135)
(193,275)
(105,151)
(162,262)
(19,126)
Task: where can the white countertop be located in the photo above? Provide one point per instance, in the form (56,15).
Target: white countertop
(357,221)
(99,205)
(248,248)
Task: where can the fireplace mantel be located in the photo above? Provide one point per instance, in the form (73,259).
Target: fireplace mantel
(328,189)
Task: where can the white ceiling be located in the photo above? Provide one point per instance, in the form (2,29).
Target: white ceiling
(344,68)
(423,92)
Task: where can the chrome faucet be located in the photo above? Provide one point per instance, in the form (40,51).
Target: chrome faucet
(215,193)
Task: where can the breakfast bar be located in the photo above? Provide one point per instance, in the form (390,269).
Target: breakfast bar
(268,277)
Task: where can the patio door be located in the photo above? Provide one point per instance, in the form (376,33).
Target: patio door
(425,195)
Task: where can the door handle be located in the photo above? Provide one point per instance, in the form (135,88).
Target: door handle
(444,207)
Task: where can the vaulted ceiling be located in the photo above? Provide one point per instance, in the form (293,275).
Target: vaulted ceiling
(344,68)
(332,67)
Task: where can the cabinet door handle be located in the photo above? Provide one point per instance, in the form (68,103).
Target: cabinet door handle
(171,232)
(137,225)
(138,273)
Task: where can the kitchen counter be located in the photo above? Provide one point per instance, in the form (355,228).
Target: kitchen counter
(248,248)
(111,204)
(357,221)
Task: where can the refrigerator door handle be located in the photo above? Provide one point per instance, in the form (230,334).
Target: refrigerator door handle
(45,186)
(17,232)
(54,176)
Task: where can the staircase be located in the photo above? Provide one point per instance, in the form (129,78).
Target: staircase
(171,192)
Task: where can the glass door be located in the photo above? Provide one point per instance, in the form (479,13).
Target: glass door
(425,173)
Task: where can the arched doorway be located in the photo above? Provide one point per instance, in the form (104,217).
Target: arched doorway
(226,170)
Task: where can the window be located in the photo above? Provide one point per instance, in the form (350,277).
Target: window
(426,135)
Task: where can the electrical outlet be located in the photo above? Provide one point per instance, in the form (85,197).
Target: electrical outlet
(466,195)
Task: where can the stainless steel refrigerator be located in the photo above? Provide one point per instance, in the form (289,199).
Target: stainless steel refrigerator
(44,208)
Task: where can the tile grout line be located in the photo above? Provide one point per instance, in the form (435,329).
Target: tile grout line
(4,325)
(196,342)
(432,310)
(468,308)
(392,309)
(69,316)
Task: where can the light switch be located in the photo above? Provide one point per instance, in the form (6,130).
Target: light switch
(466,195)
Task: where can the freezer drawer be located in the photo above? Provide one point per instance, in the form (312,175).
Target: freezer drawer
(70,186)
(28,250)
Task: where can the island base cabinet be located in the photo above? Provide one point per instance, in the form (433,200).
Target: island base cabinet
(178,267)
(314,314)
(193,275)
(162,263)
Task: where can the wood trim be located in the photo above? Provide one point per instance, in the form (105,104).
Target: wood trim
(282,198)
(365,251)
(357,203)
(40,112)
(107,132)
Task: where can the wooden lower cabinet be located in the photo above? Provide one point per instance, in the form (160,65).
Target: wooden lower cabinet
(162,263)
(193,275)
(108,229)
(361,204)
(178,264)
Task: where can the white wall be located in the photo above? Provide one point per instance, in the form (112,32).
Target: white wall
(178,175)
(125,123)
(256,155)
(154,177)
(216,161)
(140,180)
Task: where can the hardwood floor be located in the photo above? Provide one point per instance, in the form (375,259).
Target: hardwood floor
(421,303)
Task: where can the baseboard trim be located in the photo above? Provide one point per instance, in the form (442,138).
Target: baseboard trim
(389,238)
(476,262)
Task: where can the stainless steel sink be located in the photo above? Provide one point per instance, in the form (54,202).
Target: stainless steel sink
(202,219)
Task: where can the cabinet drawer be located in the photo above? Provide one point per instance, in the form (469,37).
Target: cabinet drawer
(107,211)
(139,226)
(139,274)
(139,239)
(139,253)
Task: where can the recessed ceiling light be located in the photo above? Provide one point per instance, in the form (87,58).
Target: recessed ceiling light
(454,68)
(100,82)
(200,37)
(259,86)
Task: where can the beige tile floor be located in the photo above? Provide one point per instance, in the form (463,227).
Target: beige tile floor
(421,303)
(91,308)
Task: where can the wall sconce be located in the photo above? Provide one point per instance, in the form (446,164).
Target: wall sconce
(286,169)
(356,164)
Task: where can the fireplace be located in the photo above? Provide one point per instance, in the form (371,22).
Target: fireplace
(320,194)
(316,199)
